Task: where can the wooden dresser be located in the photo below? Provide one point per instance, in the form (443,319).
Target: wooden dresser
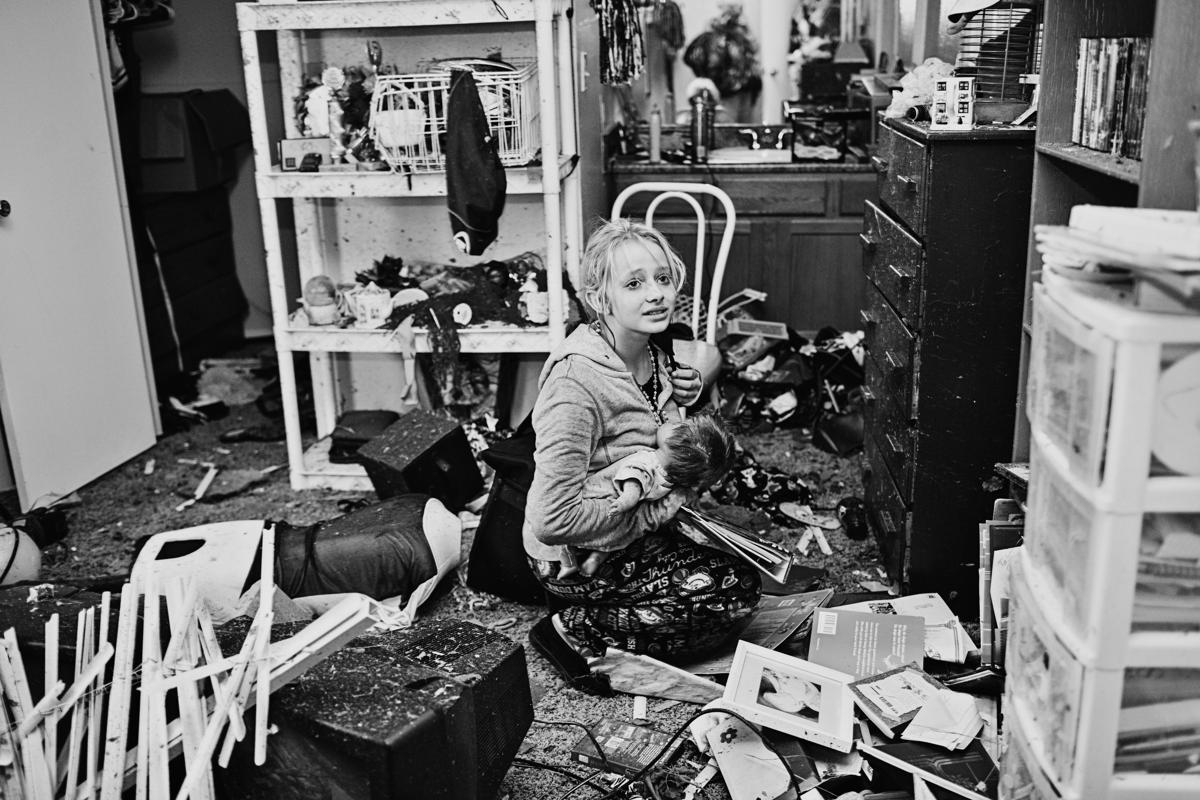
(944,252)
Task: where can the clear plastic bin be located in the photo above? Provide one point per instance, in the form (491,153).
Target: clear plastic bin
(1077,735)
(1102,575)
(1044,687)
(1021,777)
(1117,391)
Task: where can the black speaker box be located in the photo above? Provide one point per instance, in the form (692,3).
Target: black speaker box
(498,563)
(353,430)
(436,712)
(425,453)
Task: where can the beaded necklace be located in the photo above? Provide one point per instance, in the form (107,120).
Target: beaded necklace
(655,387)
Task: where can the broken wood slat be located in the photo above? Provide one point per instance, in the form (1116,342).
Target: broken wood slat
(96,705)
(37,715)
(11,780)
(216,723)
(79,690)
(37,783)
(119,697)
(50,672)
(211,649)
(182,627)
(181,605)
(154,742)
(79,711)
(262,646)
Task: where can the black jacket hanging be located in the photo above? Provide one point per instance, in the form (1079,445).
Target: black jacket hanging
(475,179)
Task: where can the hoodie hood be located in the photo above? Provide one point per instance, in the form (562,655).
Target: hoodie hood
(585,343)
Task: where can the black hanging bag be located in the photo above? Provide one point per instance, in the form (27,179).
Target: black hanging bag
(498,563)
(475,179)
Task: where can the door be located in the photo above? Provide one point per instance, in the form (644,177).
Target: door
(76,394)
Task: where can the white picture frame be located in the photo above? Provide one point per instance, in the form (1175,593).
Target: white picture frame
(791,695)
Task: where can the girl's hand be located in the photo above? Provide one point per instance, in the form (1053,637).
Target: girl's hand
(686,384)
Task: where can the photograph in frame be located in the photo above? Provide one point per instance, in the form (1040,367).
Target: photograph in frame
(792,696)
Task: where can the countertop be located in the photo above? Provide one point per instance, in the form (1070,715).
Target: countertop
(636,166)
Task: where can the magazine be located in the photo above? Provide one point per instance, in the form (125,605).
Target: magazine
(769,558)
(891,699)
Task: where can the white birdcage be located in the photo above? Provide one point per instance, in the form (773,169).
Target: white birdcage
(1000,43)
(408,115)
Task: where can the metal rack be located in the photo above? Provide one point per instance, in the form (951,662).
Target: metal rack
(328,207)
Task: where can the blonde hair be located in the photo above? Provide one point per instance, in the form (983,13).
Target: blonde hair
(596,267)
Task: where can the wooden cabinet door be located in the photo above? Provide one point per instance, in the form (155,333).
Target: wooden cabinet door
(76,393)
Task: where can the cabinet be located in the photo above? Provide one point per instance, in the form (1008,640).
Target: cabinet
(1104,636)
(796,235)
(1066,175)
(944,253)
(339,222)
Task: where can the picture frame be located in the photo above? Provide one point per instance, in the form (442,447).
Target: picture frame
(791,695)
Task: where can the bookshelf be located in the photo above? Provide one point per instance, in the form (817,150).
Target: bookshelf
(1066,174)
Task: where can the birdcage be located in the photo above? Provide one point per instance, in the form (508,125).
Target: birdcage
(408,113)
(1001,46)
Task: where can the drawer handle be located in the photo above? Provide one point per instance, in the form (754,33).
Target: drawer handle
(880,164)
(868,243)
(890,358)
(901,275)
(909,184)
(866,318)
(896,447)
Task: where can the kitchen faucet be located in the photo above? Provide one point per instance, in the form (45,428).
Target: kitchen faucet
(755,144)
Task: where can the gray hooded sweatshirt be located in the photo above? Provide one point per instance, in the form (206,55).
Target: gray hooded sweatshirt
(589,413)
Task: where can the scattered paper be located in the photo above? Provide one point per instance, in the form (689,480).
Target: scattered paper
(945,637)
(948,718)
(751,771)
(640,674)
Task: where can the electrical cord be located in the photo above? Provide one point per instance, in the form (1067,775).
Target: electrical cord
(608,767)
(529,762)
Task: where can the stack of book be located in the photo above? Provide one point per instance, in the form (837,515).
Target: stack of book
(1110,94)
(1145,257)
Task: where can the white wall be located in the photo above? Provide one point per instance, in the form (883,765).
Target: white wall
(200,49)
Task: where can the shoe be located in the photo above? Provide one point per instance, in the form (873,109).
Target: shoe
(570,665)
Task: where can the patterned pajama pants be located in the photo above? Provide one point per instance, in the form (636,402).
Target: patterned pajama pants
(664,596)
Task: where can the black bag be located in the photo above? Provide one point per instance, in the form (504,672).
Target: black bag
(498,563)
(475,179)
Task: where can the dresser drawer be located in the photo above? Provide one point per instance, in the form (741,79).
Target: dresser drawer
(887,512)
(890,426)
(901,181)
(893,261)
(891,346)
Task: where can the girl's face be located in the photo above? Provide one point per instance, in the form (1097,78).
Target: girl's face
(641,295)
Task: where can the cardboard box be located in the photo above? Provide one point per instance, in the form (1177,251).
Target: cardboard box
(189,139)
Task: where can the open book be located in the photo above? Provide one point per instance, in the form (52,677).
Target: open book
(768,557)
